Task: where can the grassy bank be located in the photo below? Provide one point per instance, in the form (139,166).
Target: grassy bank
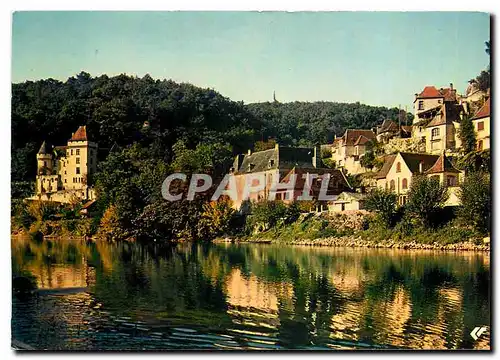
(364,231)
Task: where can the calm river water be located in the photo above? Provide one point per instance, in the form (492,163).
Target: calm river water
(135,297)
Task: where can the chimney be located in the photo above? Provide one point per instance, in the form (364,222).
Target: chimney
(451,86)
(421,167)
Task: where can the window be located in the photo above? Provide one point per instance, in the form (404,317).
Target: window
(405,184)
(402,200)
(64,172)
(451,180)
(65,181)
(91,163)
(480,145)
(393,185)
(77,151)
(78,170)
(77,160)
(421,105)
(398,167)
(74,180)
(71,151)
(480,126)
(435,132)
(45,163)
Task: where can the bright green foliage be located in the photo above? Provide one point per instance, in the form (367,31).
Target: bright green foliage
(272,213)
(467,135)
(383,202)
(476,161)
(215,219)
(426,198)
(475,196)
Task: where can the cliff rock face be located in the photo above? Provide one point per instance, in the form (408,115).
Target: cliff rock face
(349,220)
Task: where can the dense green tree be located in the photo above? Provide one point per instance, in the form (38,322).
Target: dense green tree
(426,198)
(475,197)
(467,135)
(383,202)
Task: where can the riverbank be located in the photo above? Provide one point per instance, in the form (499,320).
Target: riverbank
(359,242)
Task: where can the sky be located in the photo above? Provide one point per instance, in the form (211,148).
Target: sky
(376,58)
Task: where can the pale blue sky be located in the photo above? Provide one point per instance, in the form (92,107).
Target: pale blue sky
(373,58)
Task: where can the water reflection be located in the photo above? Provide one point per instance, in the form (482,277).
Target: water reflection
(249,296)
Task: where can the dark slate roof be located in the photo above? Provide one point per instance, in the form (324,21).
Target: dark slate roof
(442,164)
(45,149)
(413,161)
(289,157)
(388,160)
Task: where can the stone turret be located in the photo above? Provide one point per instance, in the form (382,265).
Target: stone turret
(45,159)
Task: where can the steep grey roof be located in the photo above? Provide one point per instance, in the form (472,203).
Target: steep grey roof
(45,149)
(277,158)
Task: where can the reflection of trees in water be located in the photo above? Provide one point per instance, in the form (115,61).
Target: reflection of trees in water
(302,296)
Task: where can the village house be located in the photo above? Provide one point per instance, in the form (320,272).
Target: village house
(481,121)
(389,130)
(348,201)
(63,172)
(348,149)
(437,119)
(398,170)
(277,165)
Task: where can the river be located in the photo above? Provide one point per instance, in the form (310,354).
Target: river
(127,296)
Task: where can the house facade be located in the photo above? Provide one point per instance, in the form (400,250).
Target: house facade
(63,172)
(437,119)
(481,121)
(398,171)
(347,150)
(348,201)
(278,165)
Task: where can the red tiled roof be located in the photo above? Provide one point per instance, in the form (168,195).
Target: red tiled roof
(362,140)
(80,134)
(442,164)
(429,92)
(449,94)
(484,111)
(351,135)
(406,128)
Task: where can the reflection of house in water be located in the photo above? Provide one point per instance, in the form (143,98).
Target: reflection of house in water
(255,305)
(253,293)
(57,276)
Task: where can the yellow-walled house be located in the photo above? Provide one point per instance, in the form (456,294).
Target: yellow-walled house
(347,150)
(63,172)
(481,121)
(437,119)
(398,171)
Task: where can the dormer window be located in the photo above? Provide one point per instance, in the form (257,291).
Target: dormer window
(421,105)
(271,163)
(251,167)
